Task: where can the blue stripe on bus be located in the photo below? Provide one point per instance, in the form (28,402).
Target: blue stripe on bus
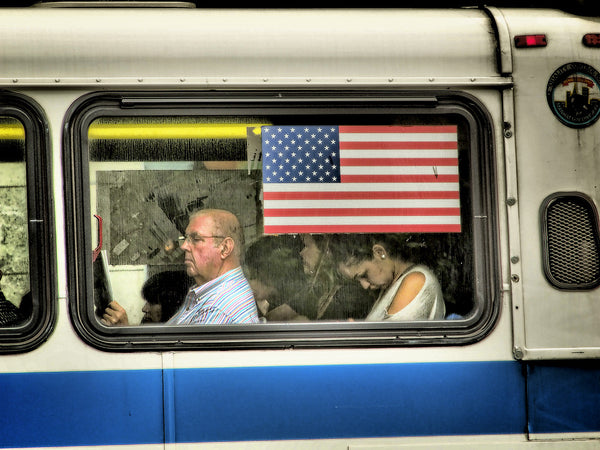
(80,408)
(299,402)
(564,396)
(322,402)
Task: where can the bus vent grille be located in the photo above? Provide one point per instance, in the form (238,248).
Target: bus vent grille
(572,242)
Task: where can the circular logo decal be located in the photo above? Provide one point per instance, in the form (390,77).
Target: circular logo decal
(573,93)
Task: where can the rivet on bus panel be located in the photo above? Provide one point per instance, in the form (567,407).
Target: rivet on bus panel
(518,353)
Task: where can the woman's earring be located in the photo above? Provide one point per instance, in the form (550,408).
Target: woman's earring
(382,256)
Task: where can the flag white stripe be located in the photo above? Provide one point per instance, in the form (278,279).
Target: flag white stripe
(393,153)
(398,170)
(382,204)
(398,137)
(363,220)
(363,187)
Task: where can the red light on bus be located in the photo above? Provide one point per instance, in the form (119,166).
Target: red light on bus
(530,40)
(591,40)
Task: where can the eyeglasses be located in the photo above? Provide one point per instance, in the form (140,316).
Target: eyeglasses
(195,238)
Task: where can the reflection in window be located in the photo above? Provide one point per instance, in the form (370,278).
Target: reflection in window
(148,174)
(15,298)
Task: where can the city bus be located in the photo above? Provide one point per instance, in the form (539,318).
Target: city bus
(467,136)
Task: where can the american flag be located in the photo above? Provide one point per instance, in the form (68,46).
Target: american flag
(336,179)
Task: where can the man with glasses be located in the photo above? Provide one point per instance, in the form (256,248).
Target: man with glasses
(213,247)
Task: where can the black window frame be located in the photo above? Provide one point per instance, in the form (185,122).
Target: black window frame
(289,335)
(40,215)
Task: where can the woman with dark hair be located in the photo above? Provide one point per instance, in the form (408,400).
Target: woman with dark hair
(331,297)
(275,275)
(295,279)
(384,263)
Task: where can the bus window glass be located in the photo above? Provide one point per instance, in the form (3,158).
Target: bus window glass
(15,298)
(345,218)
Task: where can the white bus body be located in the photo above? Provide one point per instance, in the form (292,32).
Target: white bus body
(521,370)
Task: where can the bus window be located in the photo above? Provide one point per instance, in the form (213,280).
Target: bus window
(338,206)
(26,244)
(15,298)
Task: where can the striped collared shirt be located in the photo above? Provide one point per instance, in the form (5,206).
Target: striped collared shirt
(226,299)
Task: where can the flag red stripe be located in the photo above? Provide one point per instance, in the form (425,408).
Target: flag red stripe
(398,129)
(399,178)
(425,228)
(348,212)
(362,195)
(382,145)
(370,162)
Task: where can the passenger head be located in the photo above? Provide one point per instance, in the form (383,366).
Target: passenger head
(273,269)
(164,293)
(312,252)
(372,260)
(213,244)
(318,261)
